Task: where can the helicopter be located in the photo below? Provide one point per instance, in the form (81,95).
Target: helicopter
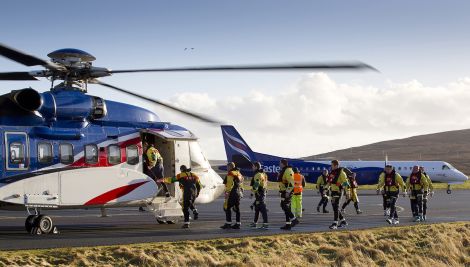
(66,149)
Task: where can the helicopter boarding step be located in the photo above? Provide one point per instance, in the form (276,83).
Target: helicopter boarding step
(165,209)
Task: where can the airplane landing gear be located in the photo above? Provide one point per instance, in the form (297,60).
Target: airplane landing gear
(449,191)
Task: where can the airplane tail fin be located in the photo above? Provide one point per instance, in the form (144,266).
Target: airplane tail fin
(236,148)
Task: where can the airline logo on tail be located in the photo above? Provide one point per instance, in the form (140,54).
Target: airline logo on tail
(236,144)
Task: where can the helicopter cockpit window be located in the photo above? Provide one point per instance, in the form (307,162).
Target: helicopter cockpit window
(66,153)
(17,153)
(91,154)
(197,158)
(114,154)
(45,153)
(132,154)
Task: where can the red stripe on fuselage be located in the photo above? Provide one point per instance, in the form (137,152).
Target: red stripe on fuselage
(113,194)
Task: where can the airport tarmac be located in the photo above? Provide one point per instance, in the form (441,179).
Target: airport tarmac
(125,226)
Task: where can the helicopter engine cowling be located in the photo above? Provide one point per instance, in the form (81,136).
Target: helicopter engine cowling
(63,105)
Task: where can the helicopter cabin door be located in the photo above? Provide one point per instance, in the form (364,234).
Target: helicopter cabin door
(182,154)
(16,151)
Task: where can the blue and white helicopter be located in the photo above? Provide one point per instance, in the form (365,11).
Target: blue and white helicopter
(367,172)
(65,149)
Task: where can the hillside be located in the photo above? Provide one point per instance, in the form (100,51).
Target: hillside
(451,146)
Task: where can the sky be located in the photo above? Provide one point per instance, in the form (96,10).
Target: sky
(420,48)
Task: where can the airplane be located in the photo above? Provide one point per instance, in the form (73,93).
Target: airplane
(367,172)
(66,149)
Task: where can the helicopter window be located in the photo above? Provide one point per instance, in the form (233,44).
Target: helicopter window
(114,154)
(132,154)
(91,154)
(66,153)
(197,158)
(45,153)
(17,153)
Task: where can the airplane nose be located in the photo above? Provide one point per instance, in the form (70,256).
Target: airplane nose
(461,177)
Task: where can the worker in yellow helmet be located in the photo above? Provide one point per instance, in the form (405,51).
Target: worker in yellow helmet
(259,187)
(299,184)
(337,181)
(286,189)
(428,191)
(233,194)
(390,183)
(416,183)
(190,184)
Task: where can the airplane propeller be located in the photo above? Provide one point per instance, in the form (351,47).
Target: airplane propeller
(74,66)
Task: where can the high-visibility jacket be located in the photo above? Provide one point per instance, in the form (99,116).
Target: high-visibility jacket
(233,180)
(321,181)
(260,182)
(299,183)
(417,181)
(430,187)
(153,156)
(390,183)
(286,179)
(337,179)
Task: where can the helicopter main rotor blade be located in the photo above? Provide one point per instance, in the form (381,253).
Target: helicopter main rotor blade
(160,103)
(16,76)
(293,66)
(23,58)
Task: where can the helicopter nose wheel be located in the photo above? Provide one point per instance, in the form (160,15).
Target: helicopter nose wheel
(40,224)
(449,191)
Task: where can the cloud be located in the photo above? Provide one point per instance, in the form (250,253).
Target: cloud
(318,115)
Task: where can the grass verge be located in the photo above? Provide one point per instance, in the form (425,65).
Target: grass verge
(446,244)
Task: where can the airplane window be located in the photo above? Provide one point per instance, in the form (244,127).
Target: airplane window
(66,153)
(445,167)
(45,153)
(132,153)
(91,154)
(399,168)
(114,154)
(197,158)
(17,153)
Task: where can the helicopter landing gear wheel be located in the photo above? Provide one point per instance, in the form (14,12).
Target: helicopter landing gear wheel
(44,223)
(449,191)
(29,224)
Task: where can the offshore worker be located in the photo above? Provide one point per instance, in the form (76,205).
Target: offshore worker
(428,191)
(323,190)
(352,193)
(190,184)
(155,166)
(233,194)
(416,183)
(336,181)
(286,188)
(260,189)
(390,182)
(299,184)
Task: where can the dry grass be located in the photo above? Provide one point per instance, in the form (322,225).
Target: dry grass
(424,245)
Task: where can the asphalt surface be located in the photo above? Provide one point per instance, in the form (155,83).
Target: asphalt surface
(126,226)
